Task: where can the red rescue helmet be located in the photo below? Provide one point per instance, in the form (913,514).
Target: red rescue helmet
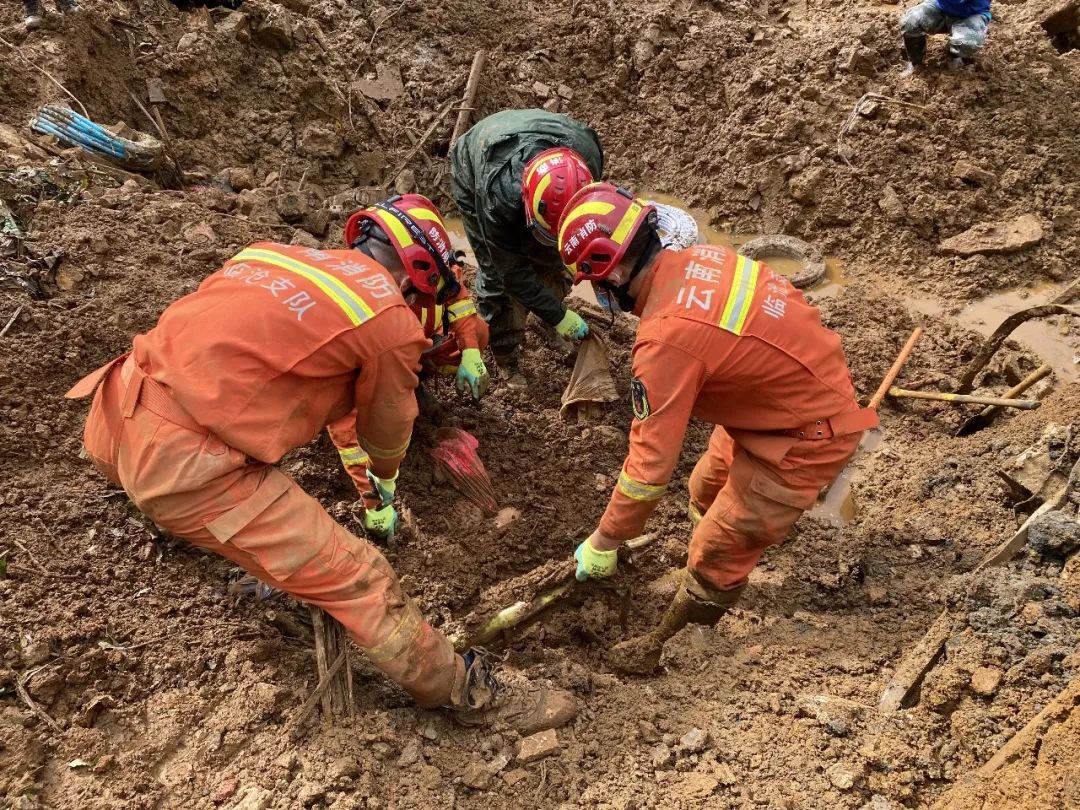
(600,222)
(550,180)
(417,233)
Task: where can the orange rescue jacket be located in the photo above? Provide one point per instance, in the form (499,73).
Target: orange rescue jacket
(283,340)
(725,340)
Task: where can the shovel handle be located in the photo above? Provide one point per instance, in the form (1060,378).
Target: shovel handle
(894,372)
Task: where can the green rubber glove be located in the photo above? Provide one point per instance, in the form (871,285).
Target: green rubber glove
(472,373)
(593,563)
(382,488)
(381,522)
(572,326)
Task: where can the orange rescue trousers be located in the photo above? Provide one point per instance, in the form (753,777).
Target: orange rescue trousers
(750,504)
(195,486)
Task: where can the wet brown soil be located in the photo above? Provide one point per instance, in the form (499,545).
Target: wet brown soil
(162,689)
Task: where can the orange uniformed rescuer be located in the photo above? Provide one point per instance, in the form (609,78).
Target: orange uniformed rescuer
(268,350)
(723,339)
(442,304)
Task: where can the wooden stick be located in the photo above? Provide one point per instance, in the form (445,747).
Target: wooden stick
(993,343)
(465,113)
(20,689)
(894,371)
(320,692)
(915,665)
(319,623)
(986,415)
(11,321)
(419,144)
(1057,710)
(965,399)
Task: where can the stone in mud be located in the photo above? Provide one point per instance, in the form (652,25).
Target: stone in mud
(537,746)
(321,141)
(477,775)
(236,26)
(1007,236)
(891,205)
(843,775)
(694,741)
(661,756)
(241,178)
(970,173)
(803,187)
(1055,533)
(985,681)
(291,207)
(276,29)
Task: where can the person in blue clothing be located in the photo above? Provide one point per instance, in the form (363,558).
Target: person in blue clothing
(965,21)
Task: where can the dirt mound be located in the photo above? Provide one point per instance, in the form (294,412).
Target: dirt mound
(154,686)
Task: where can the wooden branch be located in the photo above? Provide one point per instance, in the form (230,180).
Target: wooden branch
(471,86)
(993,343)
(320,692)
(20,689)
(419,144)
(1055,711)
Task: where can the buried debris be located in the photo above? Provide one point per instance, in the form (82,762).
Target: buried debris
(909,674)
(1036,474)
(71,129)
(789,247)
(456,457)
(590,384)
(987,414)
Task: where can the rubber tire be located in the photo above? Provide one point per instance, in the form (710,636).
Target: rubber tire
(790,247)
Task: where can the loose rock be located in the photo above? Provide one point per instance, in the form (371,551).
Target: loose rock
(537,746)
(985,681)
(1008,236)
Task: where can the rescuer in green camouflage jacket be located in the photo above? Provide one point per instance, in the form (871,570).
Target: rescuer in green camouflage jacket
(513,174)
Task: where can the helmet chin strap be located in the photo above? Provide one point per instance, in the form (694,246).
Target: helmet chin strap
(622,291)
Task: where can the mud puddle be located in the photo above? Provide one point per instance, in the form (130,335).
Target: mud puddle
(1052,339)
(838,505)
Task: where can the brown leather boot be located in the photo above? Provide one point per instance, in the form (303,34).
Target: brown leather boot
(484,698)
(695,603)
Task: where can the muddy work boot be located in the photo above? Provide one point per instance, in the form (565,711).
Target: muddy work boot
(509,366)
(487,698)
(915,49)
(32,20)
(694,603)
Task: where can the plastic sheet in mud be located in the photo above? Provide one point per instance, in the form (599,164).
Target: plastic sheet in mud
(590,382)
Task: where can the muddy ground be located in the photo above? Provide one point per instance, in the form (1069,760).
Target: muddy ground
(157,687)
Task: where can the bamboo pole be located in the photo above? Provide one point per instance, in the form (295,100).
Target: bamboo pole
(965,399)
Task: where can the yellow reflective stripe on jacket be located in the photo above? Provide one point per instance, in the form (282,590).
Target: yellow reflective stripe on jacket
(637,490)
(740,296)
(348,300)
(380,452)
(462,309)
(352,456)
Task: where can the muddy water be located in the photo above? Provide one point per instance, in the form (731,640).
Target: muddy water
(1044,337)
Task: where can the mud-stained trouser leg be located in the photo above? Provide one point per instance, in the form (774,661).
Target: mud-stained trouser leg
(968,35)
(353,457)
(925,18)
(711,471)
(758,504)
(198,488)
